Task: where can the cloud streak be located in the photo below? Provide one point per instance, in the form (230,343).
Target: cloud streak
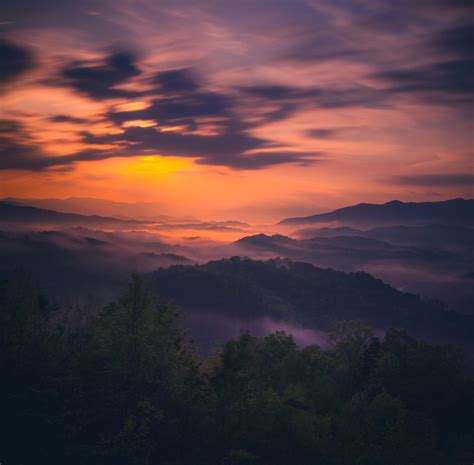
(15,60)
(460,179)
(98,79)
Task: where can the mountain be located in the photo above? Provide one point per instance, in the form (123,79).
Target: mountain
(91,206)
(308,233)
(433,260)
(265,241)
(19,214)
(78,263)
(456,211)
(435,236)
(301,293)
(339,251)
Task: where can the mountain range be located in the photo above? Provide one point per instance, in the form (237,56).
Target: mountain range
(21,214)
(455,211)
(144,211)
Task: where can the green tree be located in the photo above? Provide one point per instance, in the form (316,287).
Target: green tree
(135,367)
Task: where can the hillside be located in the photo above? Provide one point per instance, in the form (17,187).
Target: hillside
(304,294)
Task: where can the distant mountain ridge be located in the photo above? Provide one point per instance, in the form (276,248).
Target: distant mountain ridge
(433,260)
(142,211)
(455,211)
(24,214)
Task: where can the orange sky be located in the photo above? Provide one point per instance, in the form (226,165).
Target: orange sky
(235,109)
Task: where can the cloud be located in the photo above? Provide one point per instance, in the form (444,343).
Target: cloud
(262,159)
(232,148)
(176,80)
(181,107)
(181,102)
(17,151)
(14,61)
(98,79)
(322,97)
(449,80)
(224,127)
(278,92)
(457,40)
(447,4)
(436,180)
(442,82)
(321,133)
(66,119)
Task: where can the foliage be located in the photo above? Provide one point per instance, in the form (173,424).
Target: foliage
(126,388)
(314,297)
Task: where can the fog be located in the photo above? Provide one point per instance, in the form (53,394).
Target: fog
(210,329)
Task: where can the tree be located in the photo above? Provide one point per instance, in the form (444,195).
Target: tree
(136,370)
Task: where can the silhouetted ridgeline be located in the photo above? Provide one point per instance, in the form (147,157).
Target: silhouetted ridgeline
(126,388)
(455,211)
(18,214)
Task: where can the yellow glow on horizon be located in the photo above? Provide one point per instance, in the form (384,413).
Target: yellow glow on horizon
(149,166)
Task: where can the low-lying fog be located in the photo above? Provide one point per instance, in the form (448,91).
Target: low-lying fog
(209,329)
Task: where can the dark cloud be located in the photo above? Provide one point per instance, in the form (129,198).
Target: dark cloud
(405,16)
(457,40)
(313,53)
(17,151)
(436,180)
(261,160)
(443,82)
(177,80)
(98,79)
(322,43)
(14,61)
(184,102)
(228,149)
(180,144)
(198,104)
(278,92)
(66,119)
(183,109)
(444,4)
(321,133)
(181,101)
(449,79)
(323,97)
(283,112)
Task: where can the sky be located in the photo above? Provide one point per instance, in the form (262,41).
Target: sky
(254,110)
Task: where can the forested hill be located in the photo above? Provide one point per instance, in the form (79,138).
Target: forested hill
(302,293)
(125,387)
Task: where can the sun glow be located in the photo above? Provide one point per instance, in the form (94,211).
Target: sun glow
(150,166)
(139,123)
(132,106)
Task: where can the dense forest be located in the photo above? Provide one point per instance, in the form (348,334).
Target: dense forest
(125,386)
(308,295)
